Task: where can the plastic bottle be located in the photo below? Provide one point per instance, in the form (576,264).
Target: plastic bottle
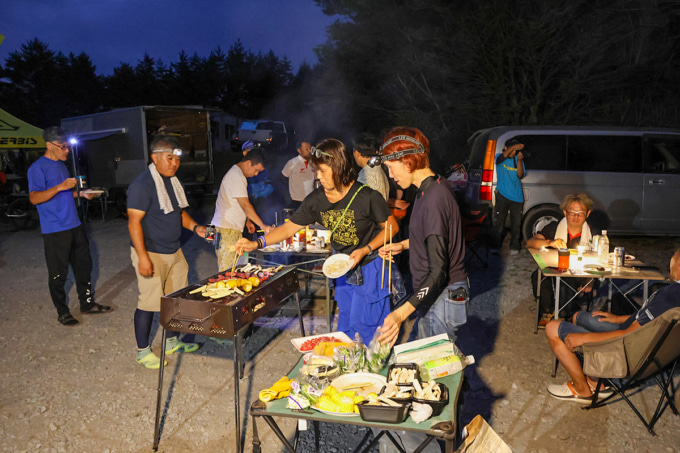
(451,364)
(603,248)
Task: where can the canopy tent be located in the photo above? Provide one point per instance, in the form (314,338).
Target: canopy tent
(15,133)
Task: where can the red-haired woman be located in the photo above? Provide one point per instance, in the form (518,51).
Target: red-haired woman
(357,217)
(436,244)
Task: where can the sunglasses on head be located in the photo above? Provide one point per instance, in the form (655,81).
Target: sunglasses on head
(379,159)
(316,152)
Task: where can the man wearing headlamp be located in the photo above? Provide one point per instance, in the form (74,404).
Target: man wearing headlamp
(436,243)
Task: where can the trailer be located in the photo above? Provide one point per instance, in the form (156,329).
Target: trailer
(112,148)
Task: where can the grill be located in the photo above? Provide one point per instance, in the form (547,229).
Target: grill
(182,311)
(223,318)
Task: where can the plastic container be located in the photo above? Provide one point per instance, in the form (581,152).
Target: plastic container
(437,406)
(401,400)
(435,369)
(383,414)
(408,366)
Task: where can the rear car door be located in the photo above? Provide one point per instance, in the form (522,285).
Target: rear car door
(661,204)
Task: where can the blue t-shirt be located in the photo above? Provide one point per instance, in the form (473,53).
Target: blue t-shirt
(59,212)
(658,303)
(507,182)
(161,231)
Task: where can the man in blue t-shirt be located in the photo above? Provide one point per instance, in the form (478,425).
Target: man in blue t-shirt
(509,196)
(598,326)
(51,190)
(156,216)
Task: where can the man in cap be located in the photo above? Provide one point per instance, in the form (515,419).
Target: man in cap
(509,196)
(51,190)
(233,207)
(366,146)
(300,174)
(156,215)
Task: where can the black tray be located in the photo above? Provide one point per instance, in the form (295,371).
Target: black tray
(383,414)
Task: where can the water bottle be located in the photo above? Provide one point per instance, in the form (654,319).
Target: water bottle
(451,364)
(603,248)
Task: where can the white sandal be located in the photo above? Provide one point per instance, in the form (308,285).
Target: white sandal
(566,392)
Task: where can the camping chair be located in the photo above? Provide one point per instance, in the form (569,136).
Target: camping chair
(624,363)
(472,221)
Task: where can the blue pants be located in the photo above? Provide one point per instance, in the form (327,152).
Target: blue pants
(363,308)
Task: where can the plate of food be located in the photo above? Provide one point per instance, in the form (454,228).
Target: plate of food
(362,383)
(337,265)
(596,267)
(307,344)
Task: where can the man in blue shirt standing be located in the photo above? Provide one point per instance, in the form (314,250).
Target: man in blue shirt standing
(51,190)
(509,196)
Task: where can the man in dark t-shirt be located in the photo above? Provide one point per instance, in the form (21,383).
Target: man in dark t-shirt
(598,326)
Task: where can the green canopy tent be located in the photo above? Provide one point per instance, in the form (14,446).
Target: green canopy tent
(17,134)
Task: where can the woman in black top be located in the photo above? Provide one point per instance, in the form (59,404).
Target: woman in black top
(357,216)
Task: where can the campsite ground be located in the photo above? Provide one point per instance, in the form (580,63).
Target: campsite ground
(78,389)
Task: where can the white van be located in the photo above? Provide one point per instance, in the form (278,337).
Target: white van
(632,175)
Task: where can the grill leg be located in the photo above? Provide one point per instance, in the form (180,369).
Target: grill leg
(156,430)
(302,325)
(236,341)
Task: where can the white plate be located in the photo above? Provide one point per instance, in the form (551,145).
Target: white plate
(338,414)
(337,265)
(596,267)
(92,191)
(342,336)
(374,383)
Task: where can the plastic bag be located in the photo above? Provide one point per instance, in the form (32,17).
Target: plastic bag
(351,358)
(377,354)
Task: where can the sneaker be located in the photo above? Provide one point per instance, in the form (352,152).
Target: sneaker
(148,359)
(174,344)
(566,392)
(514,252)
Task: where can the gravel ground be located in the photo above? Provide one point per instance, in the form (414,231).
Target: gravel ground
(78,389)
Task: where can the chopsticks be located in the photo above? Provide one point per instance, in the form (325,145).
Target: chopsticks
(236,257)
(389,277)
(382,272)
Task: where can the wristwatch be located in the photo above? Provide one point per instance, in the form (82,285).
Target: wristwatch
(195,226)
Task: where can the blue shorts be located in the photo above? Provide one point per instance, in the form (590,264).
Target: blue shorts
(586,322)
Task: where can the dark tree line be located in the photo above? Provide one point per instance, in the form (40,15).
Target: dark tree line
(42,86)
(449,67)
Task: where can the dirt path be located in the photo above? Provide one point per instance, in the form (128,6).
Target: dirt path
(78,389)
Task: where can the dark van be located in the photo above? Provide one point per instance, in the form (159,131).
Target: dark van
(632,175)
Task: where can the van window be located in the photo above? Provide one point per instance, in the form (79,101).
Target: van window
(544,152)
(607,153)
(662,154)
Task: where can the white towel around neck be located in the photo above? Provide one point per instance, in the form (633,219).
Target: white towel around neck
(563,233)
(163,197)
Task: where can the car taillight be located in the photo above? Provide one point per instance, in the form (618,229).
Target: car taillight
(486,187)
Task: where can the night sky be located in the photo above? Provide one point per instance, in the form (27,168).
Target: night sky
(115,31)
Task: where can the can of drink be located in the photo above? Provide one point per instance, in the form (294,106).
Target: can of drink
(82,183)
(210,233)
(619,256)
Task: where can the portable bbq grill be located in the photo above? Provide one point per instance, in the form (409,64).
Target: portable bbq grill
(182,311)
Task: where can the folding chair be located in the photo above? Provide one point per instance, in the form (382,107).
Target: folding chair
(625,363)
(472,221)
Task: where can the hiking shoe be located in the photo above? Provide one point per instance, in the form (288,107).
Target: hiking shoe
(148,359)
(566,392)
(174,344)
(67,319)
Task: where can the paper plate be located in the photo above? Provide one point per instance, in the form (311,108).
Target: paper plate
(362,383)
(337,265)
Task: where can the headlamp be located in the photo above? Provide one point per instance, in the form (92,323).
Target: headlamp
(175,151)
(379,159)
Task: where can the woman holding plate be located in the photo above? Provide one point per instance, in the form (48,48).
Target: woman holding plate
(357,218)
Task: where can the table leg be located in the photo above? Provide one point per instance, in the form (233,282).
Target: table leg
(256,438)
(302,325)
(329,306)
(236,341)
(609,297)
(558,280)
(156,430)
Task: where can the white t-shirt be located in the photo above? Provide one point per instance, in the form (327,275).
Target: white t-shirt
(376,179)
(228,213)
(300,178)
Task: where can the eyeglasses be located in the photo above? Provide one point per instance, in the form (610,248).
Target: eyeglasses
(316,152)
(63,147)
(576,213)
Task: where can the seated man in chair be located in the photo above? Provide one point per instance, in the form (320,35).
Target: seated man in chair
(598,326)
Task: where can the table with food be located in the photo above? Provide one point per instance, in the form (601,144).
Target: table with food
(413,387)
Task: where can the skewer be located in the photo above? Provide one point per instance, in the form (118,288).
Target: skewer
(389,277)
(233,266)
(382,273)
